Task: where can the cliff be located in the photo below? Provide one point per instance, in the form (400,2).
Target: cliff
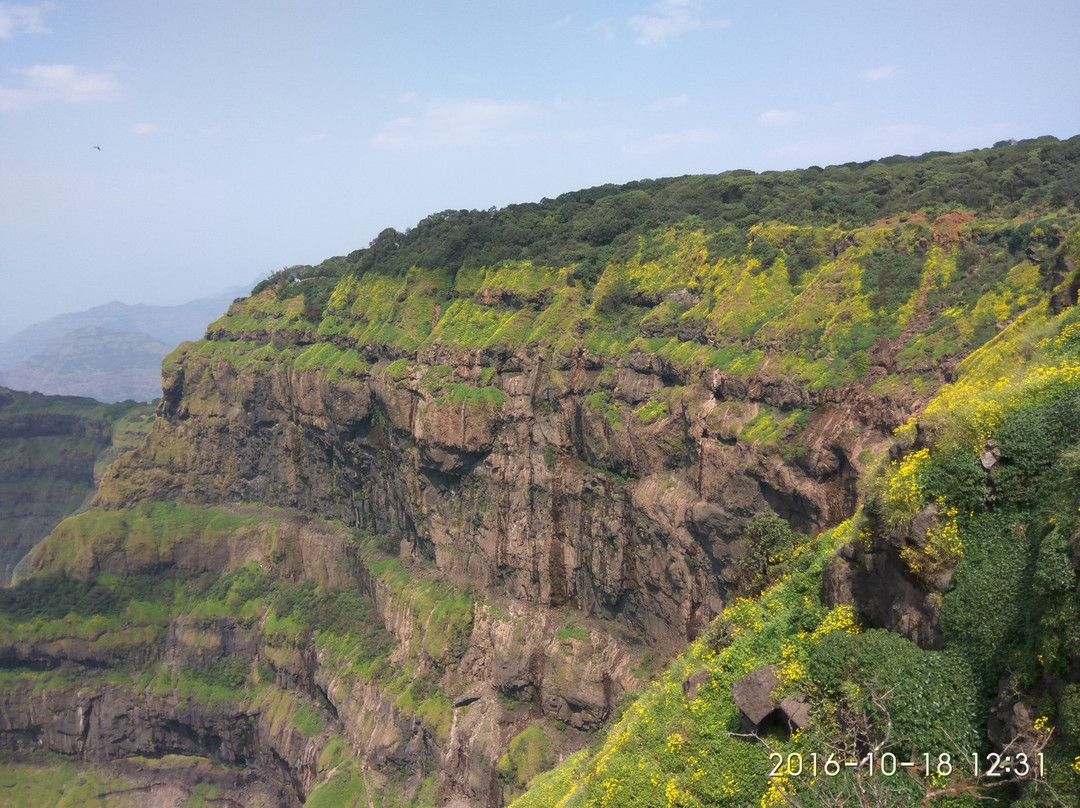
(414,521)
(52,451)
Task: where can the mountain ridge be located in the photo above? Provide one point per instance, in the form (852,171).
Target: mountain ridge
(541,472)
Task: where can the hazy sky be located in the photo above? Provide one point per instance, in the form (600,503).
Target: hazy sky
(239,137)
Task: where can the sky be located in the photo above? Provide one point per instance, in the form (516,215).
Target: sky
(239,137)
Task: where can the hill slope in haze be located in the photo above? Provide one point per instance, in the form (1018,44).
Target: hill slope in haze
(97,363)
(419,522)
(111,352)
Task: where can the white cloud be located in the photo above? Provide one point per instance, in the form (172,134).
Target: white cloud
(460,122)
(22,19)
(42,83)
(882,73)
(605,29)
(670,18)
(663,141)
(146,129)
(779,117)
(671,102)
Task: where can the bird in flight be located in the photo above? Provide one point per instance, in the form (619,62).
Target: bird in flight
(98,148)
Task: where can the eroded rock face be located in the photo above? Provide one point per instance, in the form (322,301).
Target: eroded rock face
(878,584)
(515,664)
(562,494)
(107,722)
(556,492)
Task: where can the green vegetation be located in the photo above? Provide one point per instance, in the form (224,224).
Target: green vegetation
(1011,615)
(52,450)
(346,786)
(530,752)
(572,631)
(809,274)
(770,542)
(143,537)
(55,781)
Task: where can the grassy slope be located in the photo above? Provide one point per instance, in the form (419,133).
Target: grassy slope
(694,306)
(1013,610)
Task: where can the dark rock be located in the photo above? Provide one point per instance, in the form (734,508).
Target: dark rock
(879,586)
(990,457)
(753,696)
(691,686)
(921,526)
(795,711)
(758,707)
(706,520)
(838,581)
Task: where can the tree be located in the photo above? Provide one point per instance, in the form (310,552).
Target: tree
(768,539)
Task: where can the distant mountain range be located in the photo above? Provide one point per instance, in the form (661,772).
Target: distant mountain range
(111,352)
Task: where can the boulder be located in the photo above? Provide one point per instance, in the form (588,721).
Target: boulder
(753,696)
(795,711)
(691,686)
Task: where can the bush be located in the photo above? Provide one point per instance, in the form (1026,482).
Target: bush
(931,697)
(1031,438)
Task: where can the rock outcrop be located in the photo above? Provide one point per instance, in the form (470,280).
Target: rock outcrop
(555,490)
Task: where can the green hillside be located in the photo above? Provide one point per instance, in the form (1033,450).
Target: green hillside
(52,451)
(1010,616)
(502,508)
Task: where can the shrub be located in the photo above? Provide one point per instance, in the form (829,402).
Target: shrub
(931,696)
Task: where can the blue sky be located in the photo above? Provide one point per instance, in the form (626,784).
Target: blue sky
(239,137)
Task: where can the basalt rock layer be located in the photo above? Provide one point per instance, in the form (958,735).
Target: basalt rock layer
(543,497)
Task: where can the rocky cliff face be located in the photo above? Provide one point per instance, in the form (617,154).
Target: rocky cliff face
(558,490)
(296,709)
(49,446)
(536,478)
(558,496)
